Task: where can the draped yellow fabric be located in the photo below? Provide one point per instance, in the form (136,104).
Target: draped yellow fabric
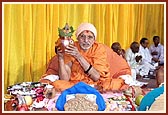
(30,31)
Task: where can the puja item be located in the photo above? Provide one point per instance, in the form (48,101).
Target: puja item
(38,103)
(64,39)
(33,89)
(22,104)
(118,102)
(8,97)
(11,104)
(138,99)
(81,102)
(49,91)
(133,91)
(48,102)
(25,96)
(28,100)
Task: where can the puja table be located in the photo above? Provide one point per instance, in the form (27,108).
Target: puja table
(115,101)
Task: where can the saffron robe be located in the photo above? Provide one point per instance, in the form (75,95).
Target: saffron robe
(103,59)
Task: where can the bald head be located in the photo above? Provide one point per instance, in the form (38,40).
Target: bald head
(116,47)
(134,47)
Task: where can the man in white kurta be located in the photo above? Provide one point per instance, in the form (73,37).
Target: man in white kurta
(130,58)
(134,59)
(150,62)
(157,50)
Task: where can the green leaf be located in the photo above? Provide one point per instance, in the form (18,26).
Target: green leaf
(61,33)
(72,30)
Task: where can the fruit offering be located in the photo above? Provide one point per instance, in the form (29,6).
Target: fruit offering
(138,99)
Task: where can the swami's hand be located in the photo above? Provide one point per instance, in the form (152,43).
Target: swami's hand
(60,53)
(72,50)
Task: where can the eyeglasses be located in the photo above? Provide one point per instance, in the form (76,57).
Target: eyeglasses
(84,37)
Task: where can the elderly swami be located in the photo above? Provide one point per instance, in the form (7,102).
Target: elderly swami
(87,62)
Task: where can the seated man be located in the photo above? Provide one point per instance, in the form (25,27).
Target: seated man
(116,47)
(147,59)
(133,58)
(157,50)
(86,61)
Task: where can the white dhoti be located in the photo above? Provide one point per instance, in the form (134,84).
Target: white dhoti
(145,68)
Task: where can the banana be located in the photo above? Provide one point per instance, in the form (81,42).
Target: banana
(7,96)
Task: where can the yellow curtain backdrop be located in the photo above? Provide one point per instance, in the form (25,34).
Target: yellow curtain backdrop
(30,31)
